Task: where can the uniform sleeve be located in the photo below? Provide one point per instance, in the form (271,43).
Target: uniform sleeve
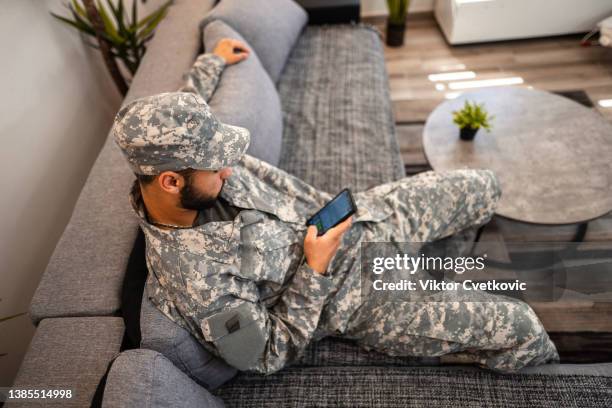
(203,77)
(252,337)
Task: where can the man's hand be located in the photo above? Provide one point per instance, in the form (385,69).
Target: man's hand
(319,251)
(232,51)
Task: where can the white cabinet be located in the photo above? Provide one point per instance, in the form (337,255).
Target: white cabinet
(469,21)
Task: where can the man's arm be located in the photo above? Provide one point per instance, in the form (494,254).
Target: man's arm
(204,74)
(251,337)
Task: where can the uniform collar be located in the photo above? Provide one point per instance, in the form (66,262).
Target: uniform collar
(218,240)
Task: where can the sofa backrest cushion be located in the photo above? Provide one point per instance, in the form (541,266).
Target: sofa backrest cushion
(245,96)
(270,26)
(161,334)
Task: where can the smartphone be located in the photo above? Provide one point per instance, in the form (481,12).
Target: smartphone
(337,210)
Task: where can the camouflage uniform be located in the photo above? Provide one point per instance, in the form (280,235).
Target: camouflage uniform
(244,290)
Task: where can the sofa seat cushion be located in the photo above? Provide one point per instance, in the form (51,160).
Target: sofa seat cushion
(245,96)
(69,353)
(455,386)
(338,122)
(145,378)
(270,26)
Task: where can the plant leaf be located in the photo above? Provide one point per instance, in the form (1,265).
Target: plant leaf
(79,9)
(86,29)
(154,14)
(109,24)
(134,13)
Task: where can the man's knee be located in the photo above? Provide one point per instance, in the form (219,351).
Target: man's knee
(525,323)
(492,184)
(483,192)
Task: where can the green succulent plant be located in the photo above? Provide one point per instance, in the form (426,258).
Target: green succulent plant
(397,11)
(473,115)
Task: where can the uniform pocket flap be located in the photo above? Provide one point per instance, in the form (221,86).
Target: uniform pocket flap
(236,336)
(226,322)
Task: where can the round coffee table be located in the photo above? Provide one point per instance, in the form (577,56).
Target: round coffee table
(553,156)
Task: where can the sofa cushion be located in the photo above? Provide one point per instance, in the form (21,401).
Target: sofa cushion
(390,387)
(338,122)
(245,96)
(164,336)
(69,353)
(144,378)
(270,26)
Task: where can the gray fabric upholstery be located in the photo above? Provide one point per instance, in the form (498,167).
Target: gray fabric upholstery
(86,270)
(172,51)
(84,275)
(69,353)
(340,352)
(338,123)
(161,334)
(391,386)
(145,378)
(245,96)
(271,27)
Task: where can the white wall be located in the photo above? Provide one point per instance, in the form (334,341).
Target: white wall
(379,7)
(57,106)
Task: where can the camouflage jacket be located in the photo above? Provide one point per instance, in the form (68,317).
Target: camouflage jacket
(242,287)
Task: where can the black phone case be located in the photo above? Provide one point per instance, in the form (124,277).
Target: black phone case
(353,211)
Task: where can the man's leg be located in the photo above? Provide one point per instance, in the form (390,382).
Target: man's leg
(431,206)
(497,332)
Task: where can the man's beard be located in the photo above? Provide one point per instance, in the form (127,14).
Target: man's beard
(194,200)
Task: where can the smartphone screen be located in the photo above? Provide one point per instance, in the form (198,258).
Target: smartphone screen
(334,212)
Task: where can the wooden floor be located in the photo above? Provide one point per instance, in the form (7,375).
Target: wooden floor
(552,64)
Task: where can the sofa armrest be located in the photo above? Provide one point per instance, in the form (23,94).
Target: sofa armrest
(145,378)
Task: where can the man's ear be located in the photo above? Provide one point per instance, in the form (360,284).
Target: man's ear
(171,182)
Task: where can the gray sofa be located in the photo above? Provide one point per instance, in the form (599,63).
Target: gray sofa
(337,132)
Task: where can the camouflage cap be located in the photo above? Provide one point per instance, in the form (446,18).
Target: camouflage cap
(175,131)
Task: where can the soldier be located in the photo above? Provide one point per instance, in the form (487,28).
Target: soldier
(232,261)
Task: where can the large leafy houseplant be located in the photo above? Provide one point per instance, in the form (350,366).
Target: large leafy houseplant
(470,118)
(117,33)
(396,24)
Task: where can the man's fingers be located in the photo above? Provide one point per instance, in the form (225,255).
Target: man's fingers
(239,45)
(311,233)
(340,229)
(346,224)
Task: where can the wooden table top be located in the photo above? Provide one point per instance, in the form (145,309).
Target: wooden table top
(553,156)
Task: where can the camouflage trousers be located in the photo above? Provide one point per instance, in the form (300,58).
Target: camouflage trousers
(493,331)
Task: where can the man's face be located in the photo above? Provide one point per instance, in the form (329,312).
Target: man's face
(202,188)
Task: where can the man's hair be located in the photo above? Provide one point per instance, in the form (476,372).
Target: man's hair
(145,179)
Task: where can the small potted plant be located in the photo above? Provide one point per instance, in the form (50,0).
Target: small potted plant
(396,24)
(470,118)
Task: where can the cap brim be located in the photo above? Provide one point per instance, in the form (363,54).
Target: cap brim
(236,141)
